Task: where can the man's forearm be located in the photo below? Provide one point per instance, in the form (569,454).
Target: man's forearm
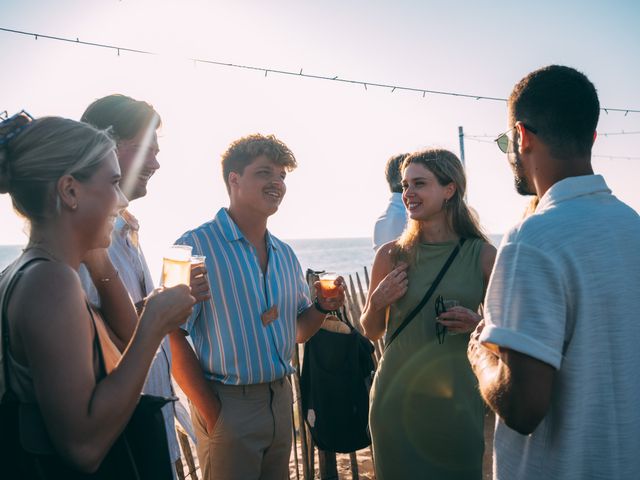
(486,367)
(188,373)
(308,323)
(516,387)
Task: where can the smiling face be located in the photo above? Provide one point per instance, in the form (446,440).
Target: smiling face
(100,201)
(422,194)
(138,162)
(260,187)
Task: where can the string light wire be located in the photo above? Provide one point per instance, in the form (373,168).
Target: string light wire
(481,139)
(300,73)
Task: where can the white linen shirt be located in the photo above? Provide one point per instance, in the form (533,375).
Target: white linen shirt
(391,223)
(566,290)
(134,273)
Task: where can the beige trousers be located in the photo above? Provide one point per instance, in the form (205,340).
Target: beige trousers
(252,438)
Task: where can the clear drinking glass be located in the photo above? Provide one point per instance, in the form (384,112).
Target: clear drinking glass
(327,284)
(197,260)
(176,266)
(448,304)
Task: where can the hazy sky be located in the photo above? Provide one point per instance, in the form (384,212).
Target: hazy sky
(341,134)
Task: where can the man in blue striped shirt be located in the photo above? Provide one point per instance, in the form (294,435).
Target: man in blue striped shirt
(244,336)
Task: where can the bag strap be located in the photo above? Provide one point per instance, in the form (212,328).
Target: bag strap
(427,295)
(15,276)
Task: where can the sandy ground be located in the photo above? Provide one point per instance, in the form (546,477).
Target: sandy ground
(365,463)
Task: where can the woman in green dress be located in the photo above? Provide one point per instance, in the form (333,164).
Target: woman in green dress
(426,415)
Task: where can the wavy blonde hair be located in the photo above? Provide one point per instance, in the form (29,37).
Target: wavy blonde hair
(447,168)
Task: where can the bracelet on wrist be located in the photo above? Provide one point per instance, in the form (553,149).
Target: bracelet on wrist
(109,279)
(318,307)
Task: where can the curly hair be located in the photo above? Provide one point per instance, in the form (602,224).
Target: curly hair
(245,150)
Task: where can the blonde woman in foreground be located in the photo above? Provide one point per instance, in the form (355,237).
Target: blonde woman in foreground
(74,393)
(426,415)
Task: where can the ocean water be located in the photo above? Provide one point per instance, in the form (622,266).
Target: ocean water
(341,255)
(8,253)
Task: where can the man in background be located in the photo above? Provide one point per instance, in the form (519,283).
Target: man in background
(558,357)
(133,125)
(391,223)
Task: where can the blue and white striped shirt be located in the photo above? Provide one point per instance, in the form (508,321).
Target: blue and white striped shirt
(232,344)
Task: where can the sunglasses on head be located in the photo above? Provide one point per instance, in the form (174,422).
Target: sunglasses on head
(504,139)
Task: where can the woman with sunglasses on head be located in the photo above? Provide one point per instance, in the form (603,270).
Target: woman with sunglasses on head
(74,392)
(426,416)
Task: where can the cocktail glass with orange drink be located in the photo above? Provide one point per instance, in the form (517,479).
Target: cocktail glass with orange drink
(328,286)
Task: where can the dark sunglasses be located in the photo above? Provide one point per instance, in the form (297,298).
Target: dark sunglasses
(504,139)
(441,330)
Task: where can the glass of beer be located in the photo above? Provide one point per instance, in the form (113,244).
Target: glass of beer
(328,287)
(176,266)
(197,260)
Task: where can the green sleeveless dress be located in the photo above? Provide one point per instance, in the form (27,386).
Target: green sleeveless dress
(426,414)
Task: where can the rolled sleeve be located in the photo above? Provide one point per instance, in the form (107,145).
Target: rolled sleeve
(303,296)
(526,304)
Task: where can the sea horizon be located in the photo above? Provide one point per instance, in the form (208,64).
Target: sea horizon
(343,255)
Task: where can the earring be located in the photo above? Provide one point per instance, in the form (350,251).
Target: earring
(74,206)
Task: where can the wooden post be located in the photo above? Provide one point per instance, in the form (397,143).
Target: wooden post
(363,299)
(304,447)
(183,440)
(353,459)
(328,465)
(295,444)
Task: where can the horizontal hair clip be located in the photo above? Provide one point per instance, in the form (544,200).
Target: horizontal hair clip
(13,125)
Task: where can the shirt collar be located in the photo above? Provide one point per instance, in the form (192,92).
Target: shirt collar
(124,223)
(131,222)
(573,187)
(396,197)
(232,232)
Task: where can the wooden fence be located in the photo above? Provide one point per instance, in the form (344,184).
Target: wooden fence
(304,448)
(310,462)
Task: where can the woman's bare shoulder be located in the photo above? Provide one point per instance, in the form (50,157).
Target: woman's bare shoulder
(48,289)
(487,259)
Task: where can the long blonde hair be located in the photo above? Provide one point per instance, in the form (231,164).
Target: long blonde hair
(447,168)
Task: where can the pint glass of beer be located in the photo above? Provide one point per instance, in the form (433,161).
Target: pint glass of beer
(176,266)
(327,285)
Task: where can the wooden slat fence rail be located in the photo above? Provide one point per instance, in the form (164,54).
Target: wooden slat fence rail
(304,449)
